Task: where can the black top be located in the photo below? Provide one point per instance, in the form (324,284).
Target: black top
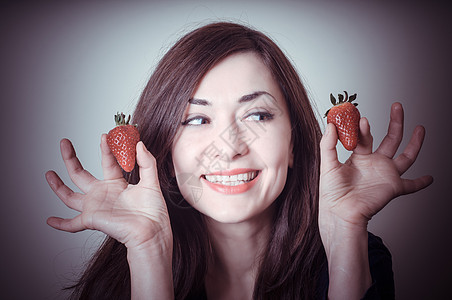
(380,262)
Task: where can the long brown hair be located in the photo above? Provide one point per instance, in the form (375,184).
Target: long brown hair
(294,255)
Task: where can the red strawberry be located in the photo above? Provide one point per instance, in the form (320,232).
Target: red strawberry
(345,116)
(122,141)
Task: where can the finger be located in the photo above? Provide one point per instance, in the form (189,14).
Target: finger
(110,166)
(71,199)
(328,152)
(404,161)
(69,225)
(82,178)
(365,138)
(413,185)
(147,167)
(391,141)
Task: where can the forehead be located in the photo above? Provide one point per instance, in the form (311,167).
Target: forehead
(236,75)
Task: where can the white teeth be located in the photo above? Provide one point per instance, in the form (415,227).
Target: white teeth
(233,179)
(232,183)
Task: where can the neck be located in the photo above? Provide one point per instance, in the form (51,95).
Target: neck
(237,251)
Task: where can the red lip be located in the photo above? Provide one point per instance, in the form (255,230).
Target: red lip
(228,189)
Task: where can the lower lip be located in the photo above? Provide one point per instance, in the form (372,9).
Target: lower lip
(230,190)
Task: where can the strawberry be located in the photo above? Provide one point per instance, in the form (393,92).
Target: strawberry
(122,141)
(345,116)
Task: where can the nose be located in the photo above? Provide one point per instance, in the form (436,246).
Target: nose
(229,143)
(232,142)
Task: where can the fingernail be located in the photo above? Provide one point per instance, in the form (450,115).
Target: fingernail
(143,146)
(48,177)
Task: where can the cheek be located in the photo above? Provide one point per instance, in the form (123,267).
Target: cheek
(187,164)
(182,151)
(275,149)
(184,162)
(276,153)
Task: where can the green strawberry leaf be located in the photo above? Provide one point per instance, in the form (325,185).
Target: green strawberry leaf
(332,99)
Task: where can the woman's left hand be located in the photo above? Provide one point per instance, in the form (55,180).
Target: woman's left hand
(352,192)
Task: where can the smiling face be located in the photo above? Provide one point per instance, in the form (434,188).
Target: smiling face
(233,149)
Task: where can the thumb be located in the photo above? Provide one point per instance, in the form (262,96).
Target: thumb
(147,167)
(328,152)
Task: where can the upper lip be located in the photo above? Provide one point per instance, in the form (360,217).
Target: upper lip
(232,172)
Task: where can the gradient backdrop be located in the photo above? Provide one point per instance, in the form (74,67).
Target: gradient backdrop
(68,67)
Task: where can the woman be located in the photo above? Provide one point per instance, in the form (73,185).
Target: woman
(241,196)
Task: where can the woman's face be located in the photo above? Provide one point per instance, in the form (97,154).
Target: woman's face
(232,152)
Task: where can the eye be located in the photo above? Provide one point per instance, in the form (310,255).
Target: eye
(196,120)
(259,116)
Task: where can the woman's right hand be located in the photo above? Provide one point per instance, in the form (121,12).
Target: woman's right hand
(135,215)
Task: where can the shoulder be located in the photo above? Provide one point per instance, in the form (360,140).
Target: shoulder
(380,258)
(378,252)
(380,263)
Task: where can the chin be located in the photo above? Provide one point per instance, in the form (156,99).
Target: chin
(236,215)
(228,218)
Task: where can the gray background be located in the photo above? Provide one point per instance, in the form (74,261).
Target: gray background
(67,68)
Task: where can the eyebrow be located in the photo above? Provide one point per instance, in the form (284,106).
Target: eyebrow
(244,99)
(196,101)
(251,97)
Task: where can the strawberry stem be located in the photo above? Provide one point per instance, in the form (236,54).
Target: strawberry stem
(341,100)
(120,119)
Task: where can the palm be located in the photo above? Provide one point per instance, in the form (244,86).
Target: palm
(366,182)
(132,214)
